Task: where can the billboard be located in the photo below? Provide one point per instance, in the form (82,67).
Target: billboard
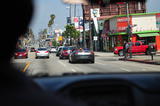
(122,23)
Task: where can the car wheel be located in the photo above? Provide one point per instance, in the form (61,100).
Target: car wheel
(92,61)
(36,57)
(120,53)
(147,52)
(48,57)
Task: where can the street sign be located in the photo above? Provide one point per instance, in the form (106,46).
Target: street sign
(95,38)
(158,20)
(95,13)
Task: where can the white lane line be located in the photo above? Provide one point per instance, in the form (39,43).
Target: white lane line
(124,69)
(144,70)
(77,68)
(62,63)
(99,63)
(73,70)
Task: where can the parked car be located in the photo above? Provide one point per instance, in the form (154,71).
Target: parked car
(82,55)
(33,49)
(42,52)
(21,53)
(137,47)
(53,50)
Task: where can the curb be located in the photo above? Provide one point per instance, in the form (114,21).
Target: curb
(141,61)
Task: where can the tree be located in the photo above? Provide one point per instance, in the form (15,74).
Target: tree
(51,21)
(71,32)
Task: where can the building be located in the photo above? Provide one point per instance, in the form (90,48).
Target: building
(144,28)
(107,12)
(114,9)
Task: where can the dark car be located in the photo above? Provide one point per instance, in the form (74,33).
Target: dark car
(33,49)
(21,53)
(59,50)
(81,55)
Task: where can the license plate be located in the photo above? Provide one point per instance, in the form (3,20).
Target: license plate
(84,57)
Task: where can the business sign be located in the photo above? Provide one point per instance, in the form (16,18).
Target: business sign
(95,13)
(95,38)
(60,38)
(122,23)
(158,20)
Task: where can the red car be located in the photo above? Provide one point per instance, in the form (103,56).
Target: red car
(21,53)
(65,51)
(137,47)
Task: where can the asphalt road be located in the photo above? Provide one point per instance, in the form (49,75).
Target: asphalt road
(53,66)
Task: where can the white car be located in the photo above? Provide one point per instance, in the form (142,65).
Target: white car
(42,52)
(53,50)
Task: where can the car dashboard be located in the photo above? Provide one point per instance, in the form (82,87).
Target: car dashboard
(132,89)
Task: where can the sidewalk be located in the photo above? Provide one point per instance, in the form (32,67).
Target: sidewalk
(104,54)
(145,59)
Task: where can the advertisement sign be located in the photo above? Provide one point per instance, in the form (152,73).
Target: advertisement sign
(122,23)
(158,20)
(60,38)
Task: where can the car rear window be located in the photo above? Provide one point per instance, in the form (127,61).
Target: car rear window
(66,48)
(41,49)
(21,50)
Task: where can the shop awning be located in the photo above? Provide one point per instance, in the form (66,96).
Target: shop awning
(148,34)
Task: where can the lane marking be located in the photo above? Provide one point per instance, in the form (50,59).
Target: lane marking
(100,63)
(62,63)
(124,69)
(73,70)
(144,70)
(26,67)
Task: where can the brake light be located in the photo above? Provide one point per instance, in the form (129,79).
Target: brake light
(46,52)
(76,53)
(92,52)
(16,53)
(37,52)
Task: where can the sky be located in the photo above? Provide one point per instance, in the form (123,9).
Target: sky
(44,8)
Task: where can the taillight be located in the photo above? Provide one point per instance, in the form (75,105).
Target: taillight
(16,53)
(92,52)
(37,52)
(76,53)
(46,52)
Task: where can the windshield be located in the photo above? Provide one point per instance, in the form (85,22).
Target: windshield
(104,33)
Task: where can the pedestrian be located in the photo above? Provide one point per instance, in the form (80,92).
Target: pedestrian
(125,49)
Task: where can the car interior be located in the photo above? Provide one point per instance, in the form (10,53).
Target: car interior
(105,89)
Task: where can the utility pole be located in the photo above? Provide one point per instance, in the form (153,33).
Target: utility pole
(129,29)
(84,36)
(90,31)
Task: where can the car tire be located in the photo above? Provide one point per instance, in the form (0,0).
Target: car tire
(120,53)
(147,52)
(92,61)
(48,57)
(36,57)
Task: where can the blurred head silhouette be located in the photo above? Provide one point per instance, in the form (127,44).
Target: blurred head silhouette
(14,23)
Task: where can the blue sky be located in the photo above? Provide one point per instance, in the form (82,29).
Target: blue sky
(43,9)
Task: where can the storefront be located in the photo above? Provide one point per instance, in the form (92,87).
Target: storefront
(116,32)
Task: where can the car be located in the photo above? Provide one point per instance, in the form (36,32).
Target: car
(64,53)
(21,53)
(53,50)
(82,55)
(42,52)
(59,50)
(32,49)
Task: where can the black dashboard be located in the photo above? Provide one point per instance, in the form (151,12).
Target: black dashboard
(132,89)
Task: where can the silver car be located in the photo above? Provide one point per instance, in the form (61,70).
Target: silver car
(42,52)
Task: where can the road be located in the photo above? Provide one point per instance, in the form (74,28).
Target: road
(53,66)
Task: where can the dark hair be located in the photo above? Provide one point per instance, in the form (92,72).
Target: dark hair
(16,17)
